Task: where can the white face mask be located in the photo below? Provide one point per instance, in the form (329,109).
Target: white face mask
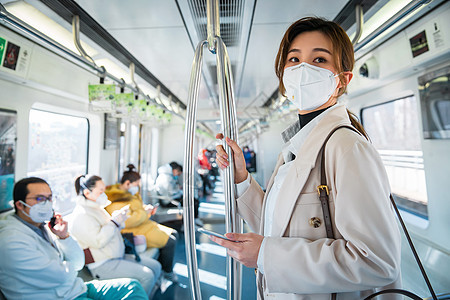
(40,212)
(133,190)
(102,200)
(308,86)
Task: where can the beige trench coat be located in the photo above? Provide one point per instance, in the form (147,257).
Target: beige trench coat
(300,262)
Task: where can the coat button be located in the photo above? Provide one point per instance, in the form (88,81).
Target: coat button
(315,222)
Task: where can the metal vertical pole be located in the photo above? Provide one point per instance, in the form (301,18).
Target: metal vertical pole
(189,179)
(213,24)
(228,118)
(229,128)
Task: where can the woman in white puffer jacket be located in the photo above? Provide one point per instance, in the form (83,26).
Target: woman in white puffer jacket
(99,235)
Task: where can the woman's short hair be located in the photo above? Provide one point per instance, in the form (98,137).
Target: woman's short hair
(343,53)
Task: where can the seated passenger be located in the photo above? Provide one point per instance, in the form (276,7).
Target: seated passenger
(158,236)
(99,233)
(169,184)
(40,261)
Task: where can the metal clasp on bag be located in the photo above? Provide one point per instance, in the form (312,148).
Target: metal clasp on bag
(322,187)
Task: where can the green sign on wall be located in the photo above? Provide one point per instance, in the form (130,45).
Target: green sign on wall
(2,47)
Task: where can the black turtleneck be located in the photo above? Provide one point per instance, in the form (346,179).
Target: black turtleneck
(306,118)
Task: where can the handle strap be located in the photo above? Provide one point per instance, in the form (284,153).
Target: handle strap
(323,191)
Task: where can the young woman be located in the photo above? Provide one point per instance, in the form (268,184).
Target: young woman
(126,193)
(294,256)
(99,234)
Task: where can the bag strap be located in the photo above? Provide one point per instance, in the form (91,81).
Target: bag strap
(413,249)
(128,240)
(323,191)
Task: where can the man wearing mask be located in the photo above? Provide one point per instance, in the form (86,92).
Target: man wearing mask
(40,260)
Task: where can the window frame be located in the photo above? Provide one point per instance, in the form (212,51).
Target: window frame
(63,114)
(402,202)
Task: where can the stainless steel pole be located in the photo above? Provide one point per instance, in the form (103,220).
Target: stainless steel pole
(229,129)
(189,179)
(213,24)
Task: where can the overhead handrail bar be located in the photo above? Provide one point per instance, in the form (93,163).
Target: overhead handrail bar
(171,103)
(83,53)
(76,38)
(158,97)
(132,71)
(359,23)
(409,8)
(14,23)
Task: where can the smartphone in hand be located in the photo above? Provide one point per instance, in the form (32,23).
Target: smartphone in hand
(52,222)
(209,232)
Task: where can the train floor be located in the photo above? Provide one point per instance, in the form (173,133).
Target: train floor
(211,257)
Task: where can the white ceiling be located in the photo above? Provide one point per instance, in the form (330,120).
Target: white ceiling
(153,31)
(161,35)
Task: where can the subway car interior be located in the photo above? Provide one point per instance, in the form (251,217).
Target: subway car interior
(92,86)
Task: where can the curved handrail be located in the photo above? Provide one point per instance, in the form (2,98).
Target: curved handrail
(409,8)
(189,184)
(233,222)
(359,23)
(229,129)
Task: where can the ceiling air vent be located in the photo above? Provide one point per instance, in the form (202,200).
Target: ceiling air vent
(231,18)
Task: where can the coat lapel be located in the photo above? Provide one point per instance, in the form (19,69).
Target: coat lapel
(291,188)
(298,174)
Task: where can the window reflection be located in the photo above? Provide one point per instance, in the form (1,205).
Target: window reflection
(58,151)
(434,90)
(393,128)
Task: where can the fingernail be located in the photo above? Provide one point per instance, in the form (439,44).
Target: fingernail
(228,139)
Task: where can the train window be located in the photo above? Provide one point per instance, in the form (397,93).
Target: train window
(123,127)
(134,145)
(393,128)
(8,136)
(435,104)
(129,145)
(58,153)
